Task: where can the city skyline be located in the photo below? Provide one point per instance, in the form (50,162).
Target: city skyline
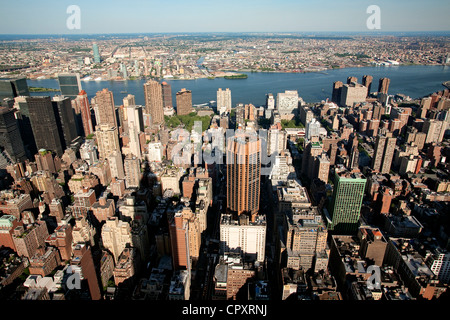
(210,151)
(46,17)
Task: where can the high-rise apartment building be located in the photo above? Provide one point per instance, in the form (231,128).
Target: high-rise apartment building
(345,206)
(383,85)
(84,106)
(352,93)
(106,111)
(184,102)
(69,84)
(223,101)
(179,241)
(154,105)
(276,139)
(116,164)
(434,129)
(83,264)
(336,93)
(107,140)
(167,95)
(243,173)
(383,153)
(116,235)
(132,168)
(367,82)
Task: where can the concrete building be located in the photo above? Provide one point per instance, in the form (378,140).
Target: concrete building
(287,102)
(106,111)
(244,236)
(127,266)
(116,166)
(223,101)
(306,237)
(132,169)
(154,101)
(107,140)
(352,93)
(116,235)
(383,153)
(28,240)
(231,275)
(184,102)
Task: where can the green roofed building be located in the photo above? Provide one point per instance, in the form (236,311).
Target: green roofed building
(345,207)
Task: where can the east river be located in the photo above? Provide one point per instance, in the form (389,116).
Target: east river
(413,81)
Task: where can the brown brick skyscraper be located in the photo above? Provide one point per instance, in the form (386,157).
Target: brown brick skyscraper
(106,110)
(184,102)
(243,173)
(383,85)
(154,101)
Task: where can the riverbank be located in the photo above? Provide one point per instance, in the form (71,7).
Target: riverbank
(412,81)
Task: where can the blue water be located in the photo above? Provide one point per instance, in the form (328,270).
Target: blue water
(413,81)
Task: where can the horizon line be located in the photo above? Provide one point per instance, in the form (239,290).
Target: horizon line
(374,32)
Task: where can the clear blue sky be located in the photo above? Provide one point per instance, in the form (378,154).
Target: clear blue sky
(148,16)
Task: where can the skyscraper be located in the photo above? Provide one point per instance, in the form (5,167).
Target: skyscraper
(306,236)
(184,102)
(383,85)
(154,101)
(224,101)
(336,95)
(345,206)
(133,133)
(383,153)
(167,95)
(116,235)
(26,130)
(287,102)
(10,138)
(116,165)
(69,84)
(352,93)
(107,140)
(106,112)
(13,88)
(243,173)
(179,241)
(65,120)
(367,82)
(132,168)
(85,109)
(97,58)
(44,124)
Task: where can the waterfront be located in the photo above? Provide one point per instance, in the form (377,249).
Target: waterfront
(414,81)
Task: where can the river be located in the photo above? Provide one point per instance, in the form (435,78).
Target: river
(413,81)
